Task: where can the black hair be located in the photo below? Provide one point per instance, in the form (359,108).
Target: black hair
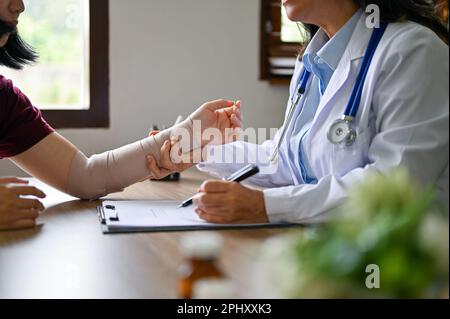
(16,53)
(424,12)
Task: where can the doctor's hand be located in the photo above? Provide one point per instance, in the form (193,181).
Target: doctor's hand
(166,166)
(223,115)
(230,203)
(17,212)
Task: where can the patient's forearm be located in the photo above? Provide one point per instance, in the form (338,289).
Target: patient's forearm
(112,171)
(60,164)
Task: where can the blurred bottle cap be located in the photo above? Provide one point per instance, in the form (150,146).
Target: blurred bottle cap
(205,246)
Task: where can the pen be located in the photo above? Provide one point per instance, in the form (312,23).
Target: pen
(241,175)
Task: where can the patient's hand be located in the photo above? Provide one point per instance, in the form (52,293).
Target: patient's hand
(167,166)
(216,122)
(222,115)
(17,209)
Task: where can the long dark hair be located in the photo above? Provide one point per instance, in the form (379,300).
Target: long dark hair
(424,12)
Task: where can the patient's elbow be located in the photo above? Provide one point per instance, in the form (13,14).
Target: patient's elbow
(85,193)
(87,181)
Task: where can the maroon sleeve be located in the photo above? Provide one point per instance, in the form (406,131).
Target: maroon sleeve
(21,124)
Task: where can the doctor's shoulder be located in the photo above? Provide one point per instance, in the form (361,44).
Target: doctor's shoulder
(409,37)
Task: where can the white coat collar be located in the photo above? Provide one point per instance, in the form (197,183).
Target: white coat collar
(354,51)
(361,36)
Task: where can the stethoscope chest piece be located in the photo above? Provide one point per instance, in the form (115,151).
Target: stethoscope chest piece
(341,132)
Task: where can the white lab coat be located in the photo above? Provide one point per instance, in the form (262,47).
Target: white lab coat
(403,120)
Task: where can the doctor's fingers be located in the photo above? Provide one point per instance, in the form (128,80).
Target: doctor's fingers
(210,218)
(216,187)
(211,203)
(155,171)
(27,203)
(166,159)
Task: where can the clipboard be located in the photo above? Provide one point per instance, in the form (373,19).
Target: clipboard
(118,217)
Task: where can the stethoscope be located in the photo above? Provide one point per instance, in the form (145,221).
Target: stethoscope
(342,131)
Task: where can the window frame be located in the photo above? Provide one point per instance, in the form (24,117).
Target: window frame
(271,44)
(97,116)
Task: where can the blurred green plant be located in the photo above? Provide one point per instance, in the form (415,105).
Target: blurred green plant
(386,222)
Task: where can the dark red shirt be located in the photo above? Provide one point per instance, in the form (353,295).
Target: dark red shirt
(21,124)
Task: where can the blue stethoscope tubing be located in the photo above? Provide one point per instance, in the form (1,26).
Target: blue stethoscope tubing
(355,98)
(341,131)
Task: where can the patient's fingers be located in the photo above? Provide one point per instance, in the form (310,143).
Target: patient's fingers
(26,214)
(238,112)
(236,121)
(12,180)
(218,104)
(27,191)
(234,110)
(26,203)
(20,224)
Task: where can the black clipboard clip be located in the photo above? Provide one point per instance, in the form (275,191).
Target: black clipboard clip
(102,215)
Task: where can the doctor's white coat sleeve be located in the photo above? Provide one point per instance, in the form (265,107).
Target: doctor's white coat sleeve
(411,105)
(224,160)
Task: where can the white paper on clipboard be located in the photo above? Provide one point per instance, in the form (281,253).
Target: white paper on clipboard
(147,216)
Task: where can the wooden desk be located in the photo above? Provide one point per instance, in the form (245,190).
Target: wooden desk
(68,256)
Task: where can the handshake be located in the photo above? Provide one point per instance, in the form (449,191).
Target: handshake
(214,123)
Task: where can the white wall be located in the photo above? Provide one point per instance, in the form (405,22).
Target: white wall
(168,57)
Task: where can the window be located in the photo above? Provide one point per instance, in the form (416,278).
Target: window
(281,41)
(289,30)
(70,81)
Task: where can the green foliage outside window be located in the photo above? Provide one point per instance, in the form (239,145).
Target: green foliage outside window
(55,29)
